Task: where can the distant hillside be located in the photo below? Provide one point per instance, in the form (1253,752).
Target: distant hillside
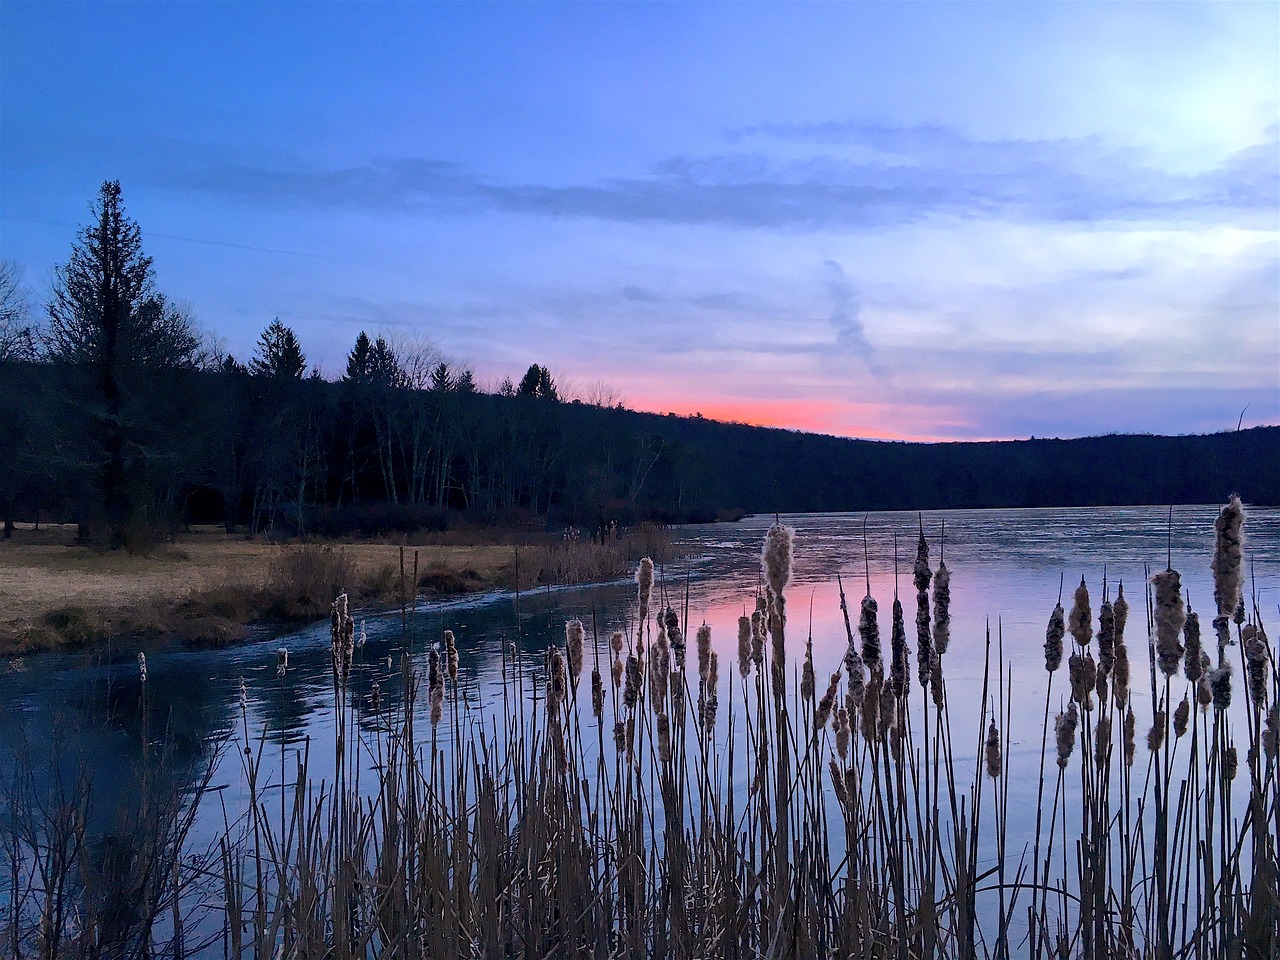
(291,454)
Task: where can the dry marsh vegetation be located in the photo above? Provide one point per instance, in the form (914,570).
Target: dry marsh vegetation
(637,797)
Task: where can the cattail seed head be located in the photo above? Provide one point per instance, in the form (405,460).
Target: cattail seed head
(900,667)
(1256,663)
(558,681)
(1228,557)
(1271,734)
(631,691)
(375,696)
(869,631)
(1053,635)
(922,575)
(1230,762)
(704,651)
(282,661)
(1120,674)
(1102,740)
(1121,611)
(757,637)
(941,609)
(823,713)
(597,694)
(1170,618)
(838,785)
(573,637)
(1204,692)
(615,641)
(856,670)
(1181,716)
(1106,637)
(871,708)
(842,733)
(664,738)
(1064,733)
(807,679)
(1220,685)
(776,558)
(744,647)
(888,710)
(1079,622)
(992,751)
(1155,736)
(644,585)
(1083,674)
(1192,665)
(1130,730)
(618,668)
(451,656)
(142,667)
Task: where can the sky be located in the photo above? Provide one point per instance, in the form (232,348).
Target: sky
(915,220)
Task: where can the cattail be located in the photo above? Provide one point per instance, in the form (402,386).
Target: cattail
(375,696)
(1130,729)
(1181,716)
(1120,674)
(555,734)
(1220,685)
(843,727)
(837,784)
(244,688)
(899,668)
(869,631)
(704,651)
(921,575)
(828,700)
(707,707)
(871,707)
(1170,618)
(993,751)
(675,639)
(1053,635)
(573,637)
(1238,616)
(620,736)
(341,637)
(1204,693)
(142,667)
(659,671)
(888,706)
(644,584)
(744,647)
(451,656)
(1102,740)
(435,686)
(1083,675)
(1191,661)
(631,692)
(1064,733)
(713,672)
(776,558)
(664,738)
(757,637)
(597,694)
(1228,556)
(807,679)
(1255,653)
(557,682)
(1101,687)
(1271,734)
(1155,736)
(937,688)
(282,661)
(1106,638)
(615,642)
(856,670)
(631,736)
(618,669)
(1230,762)
(1079,622)
(1121,611)
(777,619)
(941,609)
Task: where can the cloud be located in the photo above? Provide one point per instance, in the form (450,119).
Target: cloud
(863,178)
(846,317)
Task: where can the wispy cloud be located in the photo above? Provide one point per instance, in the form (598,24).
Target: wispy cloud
(860,177)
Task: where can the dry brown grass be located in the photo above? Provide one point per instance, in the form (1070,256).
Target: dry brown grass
(205,587)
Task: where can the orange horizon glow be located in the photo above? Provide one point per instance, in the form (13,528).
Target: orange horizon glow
(852,420)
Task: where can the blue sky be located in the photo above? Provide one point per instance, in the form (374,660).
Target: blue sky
(903,220)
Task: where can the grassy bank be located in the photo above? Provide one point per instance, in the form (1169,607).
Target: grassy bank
(209,587)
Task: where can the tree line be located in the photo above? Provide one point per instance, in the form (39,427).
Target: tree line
(117,413)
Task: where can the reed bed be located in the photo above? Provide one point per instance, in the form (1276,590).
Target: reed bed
(635,797)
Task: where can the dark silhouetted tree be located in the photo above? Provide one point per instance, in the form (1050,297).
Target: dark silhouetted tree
(537,382)
(278,355)
(466,382)
(17,332)
(441,378)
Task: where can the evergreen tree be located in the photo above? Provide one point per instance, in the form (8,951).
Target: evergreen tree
(537,382)
(441,378)
(278,355)
(465,383)
(359,360)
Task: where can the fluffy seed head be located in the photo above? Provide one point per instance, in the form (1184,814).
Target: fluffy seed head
(1230,762)
(1106,637)
(1155,736)
(573,637)
(1220,685)
(451,656)
(1121,610)
(941,609)
(1191,662)
(900,666)
(644,585)
(1256,664)
(807,679)
(776,557)
(1120,674)
(1102,740)
(992,751)
(704,651)
(1064,733)
(1053,635)
(856,670)
(744,647)
(597,693)
(1228,556)
(1181,716)
(828,700)
(142,667)
(615,641)
(1080,620)
(869,631)
(1130,729)
(631,692)
(1271,734)
(842,733)
(1170,618)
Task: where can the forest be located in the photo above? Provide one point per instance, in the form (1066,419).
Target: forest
(118,414)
